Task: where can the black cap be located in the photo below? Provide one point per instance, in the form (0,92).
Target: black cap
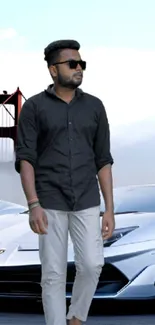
(60,45)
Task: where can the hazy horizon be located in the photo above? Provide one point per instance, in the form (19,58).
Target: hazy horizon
(119,47)
(133,161)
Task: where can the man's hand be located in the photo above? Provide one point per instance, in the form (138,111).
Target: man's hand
(38,220)
(108,225)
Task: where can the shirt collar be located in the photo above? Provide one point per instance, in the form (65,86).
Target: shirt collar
(50,90)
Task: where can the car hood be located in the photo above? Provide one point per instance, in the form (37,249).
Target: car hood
(15,227)
(20,244)
(10,208)
(134,219)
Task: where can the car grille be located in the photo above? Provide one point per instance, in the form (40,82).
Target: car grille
(24,281)
(110,282)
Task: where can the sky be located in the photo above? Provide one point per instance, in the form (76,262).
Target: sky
(117,41)
(107,23)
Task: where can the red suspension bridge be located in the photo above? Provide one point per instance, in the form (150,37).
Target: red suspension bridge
(10,107)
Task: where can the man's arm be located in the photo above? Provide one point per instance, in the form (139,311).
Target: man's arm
(103,157)
(26,156)
(106,184)
(104,162)
(26,149)
(28,181)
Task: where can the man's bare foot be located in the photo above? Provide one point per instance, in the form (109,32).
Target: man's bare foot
(74,321)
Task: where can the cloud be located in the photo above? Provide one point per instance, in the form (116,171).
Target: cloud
(11,41)
(7,33)
(122,78)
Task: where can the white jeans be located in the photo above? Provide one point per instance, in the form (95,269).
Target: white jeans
(84,229)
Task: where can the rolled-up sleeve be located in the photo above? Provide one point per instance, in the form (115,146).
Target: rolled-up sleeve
(26,146)
(102,152)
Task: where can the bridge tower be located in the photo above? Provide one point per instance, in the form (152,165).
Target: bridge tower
(10,107)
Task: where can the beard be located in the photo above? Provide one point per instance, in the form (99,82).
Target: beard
(68,83)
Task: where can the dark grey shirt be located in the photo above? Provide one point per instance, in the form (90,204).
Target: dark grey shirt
(67,144)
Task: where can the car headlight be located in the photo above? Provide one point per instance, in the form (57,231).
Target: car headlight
(2,251)
(118,234)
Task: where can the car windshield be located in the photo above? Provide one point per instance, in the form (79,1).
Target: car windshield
(134,199)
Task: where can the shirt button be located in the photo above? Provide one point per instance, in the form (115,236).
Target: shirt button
(70,123)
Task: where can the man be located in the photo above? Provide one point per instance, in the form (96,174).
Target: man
(63,150)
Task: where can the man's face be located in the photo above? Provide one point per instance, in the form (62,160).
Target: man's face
(67,74)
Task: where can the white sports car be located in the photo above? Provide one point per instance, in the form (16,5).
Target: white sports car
(129,270)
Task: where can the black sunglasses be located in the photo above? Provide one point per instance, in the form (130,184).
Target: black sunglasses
(73,64)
